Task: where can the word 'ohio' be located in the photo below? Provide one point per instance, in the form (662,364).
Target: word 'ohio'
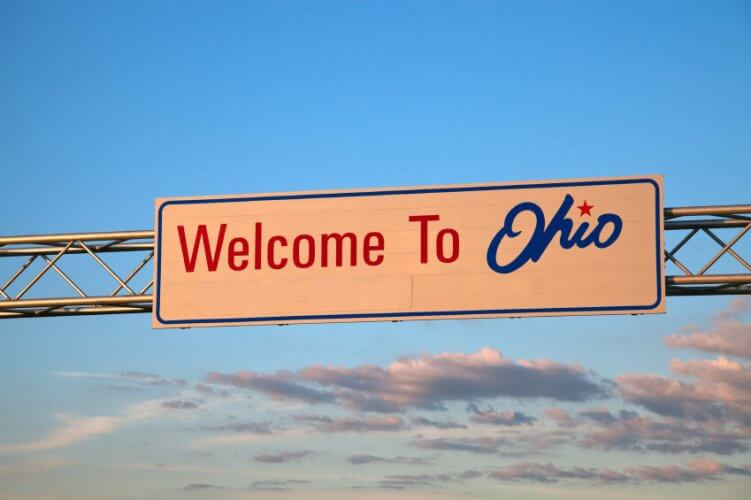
(543,234)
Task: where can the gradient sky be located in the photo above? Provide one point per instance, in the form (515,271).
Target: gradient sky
(106,105)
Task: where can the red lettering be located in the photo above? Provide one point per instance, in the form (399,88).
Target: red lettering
(454,245)
(233,252)
(423,220)
(273,264)
(257,244)
(339,248)
(301,251)
(311,251)
(369,247)
(212,258)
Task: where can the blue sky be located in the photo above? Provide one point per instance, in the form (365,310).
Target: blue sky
(108,105)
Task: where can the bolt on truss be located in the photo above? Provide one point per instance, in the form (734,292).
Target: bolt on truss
(45,253)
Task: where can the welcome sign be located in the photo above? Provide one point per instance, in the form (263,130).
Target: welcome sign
(572,247)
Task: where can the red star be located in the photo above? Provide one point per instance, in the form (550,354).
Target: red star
(585,209)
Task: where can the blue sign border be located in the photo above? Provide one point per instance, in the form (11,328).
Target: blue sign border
(413,314)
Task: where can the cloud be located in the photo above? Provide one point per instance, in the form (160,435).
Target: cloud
(492,417)
(430,380)
(669,397)
(603,415)
(200,487)
(549,473)
(151,378)
(124,387)
(209,390)
(85,375)
(481,445)
(727,335)
(413,481)
(561,417)
(310,418)
(370,459)
(277,484)
(283,456)
(717,445)
(721,378)
(237,438)
(697,470)
(721,391)
(627,430)
(513,443)
(366,459)
(280,385)
(32,467)
(72,430)
(538,440)
(133,377)
(737,308)
(712,467)
(178,404)
(245,427)
(426,422)
(389,423)
(425,382)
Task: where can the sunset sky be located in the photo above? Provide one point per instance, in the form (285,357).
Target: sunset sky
(105,106)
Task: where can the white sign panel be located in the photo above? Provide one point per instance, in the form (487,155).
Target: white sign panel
(549,248)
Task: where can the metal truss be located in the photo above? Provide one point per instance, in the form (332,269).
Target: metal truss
(708,223)
(45,253)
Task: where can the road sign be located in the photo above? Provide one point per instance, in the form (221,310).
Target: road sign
(551,248)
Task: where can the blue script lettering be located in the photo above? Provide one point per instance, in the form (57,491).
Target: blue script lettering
(543,235)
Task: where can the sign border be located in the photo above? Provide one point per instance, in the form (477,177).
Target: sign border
(412,314)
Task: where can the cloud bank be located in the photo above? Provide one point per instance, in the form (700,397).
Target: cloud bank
(424,382)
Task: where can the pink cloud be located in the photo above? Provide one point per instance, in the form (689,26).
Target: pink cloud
(549,473)
(696,470)
(721,390)
(492,416)
(427,382)
(481,445)
(669,397)
(354,424)
(283,456)
(561,417)
(280,385)
(727,334)
(628,431)
(363,459)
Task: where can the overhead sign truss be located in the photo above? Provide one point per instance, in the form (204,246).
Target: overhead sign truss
(37,260)
(723,229)
(43,276)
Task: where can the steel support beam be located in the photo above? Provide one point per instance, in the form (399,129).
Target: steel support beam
(49,250)
(694,223)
